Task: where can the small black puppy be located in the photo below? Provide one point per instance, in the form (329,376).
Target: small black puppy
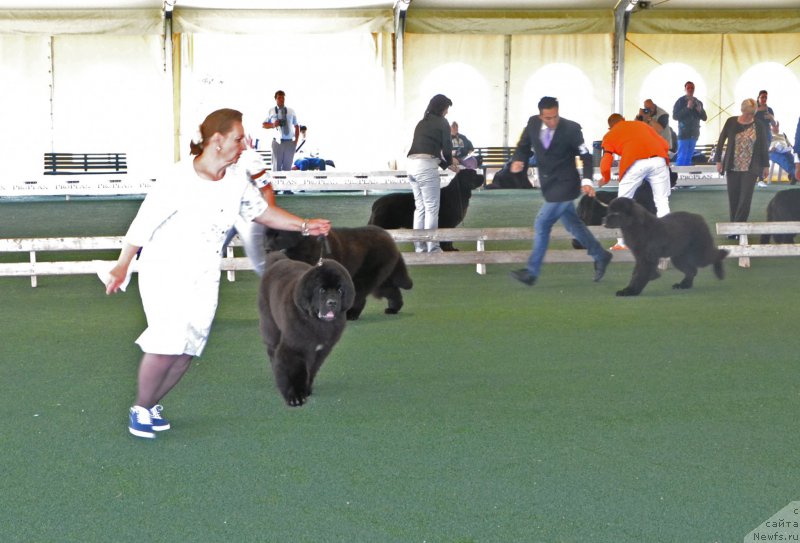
(681,236)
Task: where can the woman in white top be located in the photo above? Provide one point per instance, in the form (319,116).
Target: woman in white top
(181,227)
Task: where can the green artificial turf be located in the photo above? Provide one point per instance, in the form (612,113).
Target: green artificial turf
(484,412)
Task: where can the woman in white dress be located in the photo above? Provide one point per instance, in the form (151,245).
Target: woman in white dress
(181,227)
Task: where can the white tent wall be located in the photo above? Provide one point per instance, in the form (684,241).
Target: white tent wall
(484,53)
(112,94)
(110,89)
(469,70)
(575,68)
(726,69)
(84,81)
(335,82)
(25,107)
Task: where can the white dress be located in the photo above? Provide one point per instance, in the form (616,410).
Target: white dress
(181,227)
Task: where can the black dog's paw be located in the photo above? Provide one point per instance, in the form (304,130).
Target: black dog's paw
(627,291)
(391,310)
(294,399)
(682,285)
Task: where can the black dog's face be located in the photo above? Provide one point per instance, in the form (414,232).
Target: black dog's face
(327,292)
(327,302)
(619,213)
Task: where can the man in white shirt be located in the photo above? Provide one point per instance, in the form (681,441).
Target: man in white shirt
(284,120)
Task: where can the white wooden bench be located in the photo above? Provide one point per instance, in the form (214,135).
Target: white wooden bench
(744,251)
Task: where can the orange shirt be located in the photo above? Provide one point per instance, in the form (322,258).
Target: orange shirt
(632,141)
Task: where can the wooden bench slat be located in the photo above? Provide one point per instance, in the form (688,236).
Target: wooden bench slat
(737,228)
(776,250)
(504,257)
(492,234)
(60,244)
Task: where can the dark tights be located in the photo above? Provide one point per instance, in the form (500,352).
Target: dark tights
(158,373)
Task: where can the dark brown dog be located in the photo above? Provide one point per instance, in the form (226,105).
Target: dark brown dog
(368,253)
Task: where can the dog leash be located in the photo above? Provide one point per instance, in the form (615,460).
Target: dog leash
(324,247)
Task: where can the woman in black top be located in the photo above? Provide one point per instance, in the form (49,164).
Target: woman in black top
(430,148)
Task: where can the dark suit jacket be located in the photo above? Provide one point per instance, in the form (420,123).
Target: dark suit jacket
(558,176)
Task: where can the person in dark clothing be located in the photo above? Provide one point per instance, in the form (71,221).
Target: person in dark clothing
(556,142)
(797,149)
(431,148)
(764,114)
(688,111)
(462,148)
(746,158)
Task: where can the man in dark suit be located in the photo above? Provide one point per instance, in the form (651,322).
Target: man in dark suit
(556,142)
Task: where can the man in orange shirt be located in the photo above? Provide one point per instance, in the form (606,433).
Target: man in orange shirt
(644,156)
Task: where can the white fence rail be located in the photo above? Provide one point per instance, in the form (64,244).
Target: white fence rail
(481,256)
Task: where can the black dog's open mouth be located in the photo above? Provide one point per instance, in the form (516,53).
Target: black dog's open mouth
(329,316)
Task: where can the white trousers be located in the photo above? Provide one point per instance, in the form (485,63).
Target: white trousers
(423,175)
(654,171)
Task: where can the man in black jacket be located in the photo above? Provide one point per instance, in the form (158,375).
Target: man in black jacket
(556,142)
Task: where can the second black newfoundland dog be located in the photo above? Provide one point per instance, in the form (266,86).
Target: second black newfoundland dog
(592,211)
(681,236)
(368,253)
(302,313)
(784,206)
(397,210)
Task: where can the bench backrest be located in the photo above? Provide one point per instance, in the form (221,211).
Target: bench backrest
(266,156)
(494,155)
(85,163)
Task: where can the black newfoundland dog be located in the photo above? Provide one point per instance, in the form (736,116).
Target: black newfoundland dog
(397,210)
(683,237)
(506,179)
(368,253)
(784,206)
(302,312)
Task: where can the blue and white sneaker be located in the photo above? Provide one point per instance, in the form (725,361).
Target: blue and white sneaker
(141,424)
(159,423)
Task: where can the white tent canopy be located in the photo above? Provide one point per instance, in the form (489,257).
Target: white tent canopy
(118,76)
